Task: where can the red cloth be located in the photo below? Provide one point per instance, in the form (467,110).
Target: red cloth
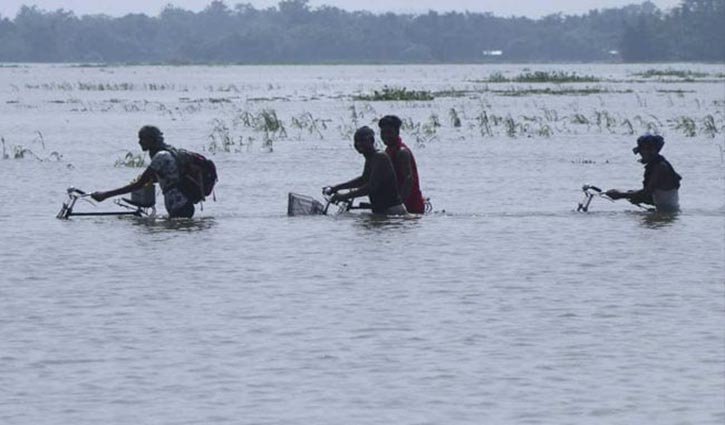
(415,203)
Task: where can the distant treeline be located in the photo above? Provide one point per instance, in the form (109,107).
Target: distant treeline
(293,32)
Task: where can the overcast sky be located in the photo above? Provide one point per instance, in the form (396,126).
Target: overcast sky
(531,8)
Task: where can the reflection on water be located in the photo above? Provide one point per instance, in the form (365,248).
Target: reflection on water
(378,222)
(655,219)
(165,224)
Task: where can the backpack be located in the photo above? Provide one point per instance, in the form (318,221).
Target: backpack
(198,174)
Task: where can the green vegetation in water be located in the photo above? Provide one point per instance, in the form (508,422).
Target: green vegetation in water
(451,93)
(92,86)
(675,91)
(689,126)
(554,77)
(220,139)
(313,125)
(709,127)
(225,138)
(543,77)
(396,93)
(547,123)
(132,160)
(497,77)
(423,132)
(669,72)
(454,117)
(21,152)
(563,91)
(272,126)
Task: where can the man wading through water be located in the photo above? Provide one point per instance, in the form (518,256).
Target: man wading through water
(377,180)
(164,168)
(404,163)
(661,183)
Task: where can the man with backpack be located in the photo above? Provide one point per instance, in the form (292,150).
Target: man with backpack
(185,177)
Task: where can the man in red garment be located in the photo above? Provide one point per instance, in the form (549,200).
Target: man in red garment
(404,163)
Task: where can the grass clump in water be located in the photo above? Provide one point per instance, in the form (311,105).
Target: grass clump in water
(21,152)
(222,138)
(565,91)
(686,125)
(498,77)
(396,93)
(557,77)
(132,160)
(670,72)
(311,124)
(709,127)
(554,77)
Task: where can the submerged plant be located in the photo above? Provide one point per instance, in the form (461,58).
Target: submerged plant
(21,152)
(408,124)
(627,124)
(708,126)
(686,125)
(132,160)
(604,118)
(396,93)
(551,114)
(39,139)
(579,119)
(220,139)
(354,115)
(554,77)
(669,72)
(545,130)
(310,123)
(484,124)
(454,117)
(510,126)
(498,77)
(268,122)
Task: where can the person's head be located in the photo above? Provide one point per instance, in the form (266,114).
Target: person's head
(390,129)
(648,146)
(364,140)
(150,137)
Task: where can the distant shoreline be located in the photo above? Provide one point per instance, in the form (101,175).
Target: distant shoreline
(261,64)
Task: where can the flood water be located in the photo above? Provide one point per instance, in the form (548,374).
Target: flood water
(505,305)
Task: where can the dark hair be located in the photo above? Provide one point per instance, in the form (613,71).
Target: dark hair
(649,139)
(151,132)
(390,121)
(364,132)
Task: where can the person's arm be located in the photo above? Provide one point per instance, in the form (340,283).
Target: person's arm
(360,185)
(363,190)
(633,196)
(145,178)
(356,182)
(617,194)
(644,195)
(406,169)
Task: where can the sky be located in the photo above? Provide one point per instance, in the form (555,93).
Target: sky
(530,8)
